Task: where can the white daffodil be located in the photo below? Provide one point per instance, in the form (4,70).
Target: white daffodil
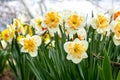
(73,23)
(52,20)
(36,23)
(30,44)
(116,30)
(8,33)
(18,23)
(100,23)
(76,50)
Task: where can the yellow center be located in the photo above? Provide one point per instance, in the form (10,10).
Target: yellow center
(76,49)
(6,34)
(52,19)
(30,45)
(117,30)
(74,21)
(102,22)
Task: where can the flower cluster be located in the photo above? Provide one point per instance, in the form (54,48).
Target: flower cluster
(30,36)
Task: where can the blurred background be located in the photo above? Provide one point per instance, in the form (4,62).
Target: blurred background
(10,9)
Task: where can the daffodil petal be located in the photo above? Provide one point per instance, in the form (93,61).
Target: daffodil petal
(116,42)
(85,43)
(33,54)
(76,60)
(84,55)
(66,46)
(69,57)
(23,50)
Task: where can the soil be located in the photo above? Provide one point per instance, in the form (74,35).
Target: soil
(7,75)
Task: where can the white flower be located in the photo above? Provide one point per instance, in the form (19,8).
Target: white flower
(116,30)
(101,23)
(30,44)
(36,23)
(73,23)
(116,40)
(76,50)
(8,33)
(52,20)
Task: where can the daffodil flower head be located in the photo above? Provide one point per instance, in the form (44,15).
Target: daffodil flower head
(52,21)
(5,35)
(116,30)
(11,28)
(30,44)
(73,23)
(76,50)
(18,22)
(8,33)
(101,23)
(36,23)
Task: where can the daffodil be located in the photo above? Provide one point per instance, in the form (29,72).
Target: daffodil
(76,50)
(73,23)
(101,23)
(116,30)
(11,28)
(30,44)
(5,35)
(36,23)
(18,23)
(8,33)
(52,20)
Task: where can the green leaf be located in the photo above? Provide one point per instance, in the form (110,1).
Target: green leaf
(118,76)
(100,70)
(107,67)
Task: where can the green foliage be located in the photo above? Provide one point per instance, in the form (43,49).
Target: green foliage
(18,63)
(3,58)
(107,67)
(51,62)
(118,76)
